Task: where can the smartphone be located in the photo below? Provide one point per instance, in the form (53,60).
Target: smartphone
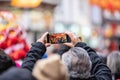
(58,38)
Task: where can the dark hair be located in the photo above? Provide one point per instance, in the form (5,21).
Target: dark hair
(5,61)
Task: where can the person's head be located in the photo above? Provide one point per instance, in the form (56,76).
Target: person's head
(78,63)
(113,61)
(5,61)
(50,68)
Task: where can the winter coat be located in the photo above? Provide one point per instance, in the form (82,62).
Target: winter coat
(99,69)
(17,74)
(36,52)
(25,72)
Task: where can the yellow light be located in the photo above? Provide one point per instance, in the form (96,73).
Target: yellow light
(26,3)
(12,33)
(2,38)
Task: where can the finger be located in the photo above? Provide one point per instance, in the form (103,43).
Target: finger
(44,35)
(69,44)
(80,38)
(69,34)
(45,41)
(75,37)
(47,44)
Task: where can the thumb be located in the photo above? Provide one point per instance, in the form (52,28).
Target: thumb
(42,39)
(44,35)
(47,44)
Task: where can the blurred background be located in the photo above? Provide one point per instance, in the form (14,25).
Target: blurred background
(24,21)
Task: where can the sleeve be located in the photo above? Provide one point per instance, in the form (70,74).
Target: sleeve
(36,52)
(99,68)
(63,49)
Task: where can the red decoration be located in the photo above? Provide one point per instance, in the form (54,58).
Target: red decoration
(12,39)
(107,4)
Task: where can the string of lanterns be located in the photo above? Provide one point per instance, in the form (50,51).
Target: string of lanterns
(110,5)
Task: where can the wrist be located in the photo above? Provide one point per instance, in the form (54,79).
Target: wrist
(80,44)
(40,41)
(39,45)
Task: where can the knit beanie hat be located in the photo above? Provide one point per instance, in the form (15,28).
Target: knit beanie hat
(50,68)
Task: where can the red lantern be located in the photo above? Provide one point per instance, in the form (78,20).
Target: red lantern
(12,36)
(103,4)
(117,5)
(16,55)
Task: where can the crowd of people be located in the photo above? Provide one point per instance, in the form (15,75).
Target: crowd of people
(73,61)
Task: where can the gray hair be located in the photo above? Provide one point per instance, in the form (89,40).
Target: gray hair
(113,61)
(78,62)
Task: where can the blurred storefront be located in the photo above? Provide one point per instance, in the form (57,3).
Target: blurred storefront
(106,17)
(96,21)
(20,26)
(37,19)
(73,16)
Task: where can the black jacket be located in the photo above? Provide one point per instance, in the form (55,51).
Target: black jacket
(116,75)
(36,52)
(99,70)
(25,72)
(17,74)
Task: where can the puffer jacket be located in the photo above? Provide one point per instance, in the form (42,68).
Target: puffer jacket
(99,69)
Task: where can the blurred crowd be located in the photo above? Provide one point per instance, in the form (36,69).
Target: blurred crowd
(68,61)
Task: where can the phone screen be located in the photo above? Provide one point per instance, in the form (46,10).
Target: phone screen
(57,38)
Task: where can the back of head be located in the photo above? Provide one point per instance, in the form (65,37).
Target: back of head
(5,61)
(50,69)
(78,62)
(113,61)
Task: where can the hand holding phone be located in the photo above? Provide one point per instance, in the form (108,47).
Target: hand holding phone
(43,39)
(58,38)
(74,39)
